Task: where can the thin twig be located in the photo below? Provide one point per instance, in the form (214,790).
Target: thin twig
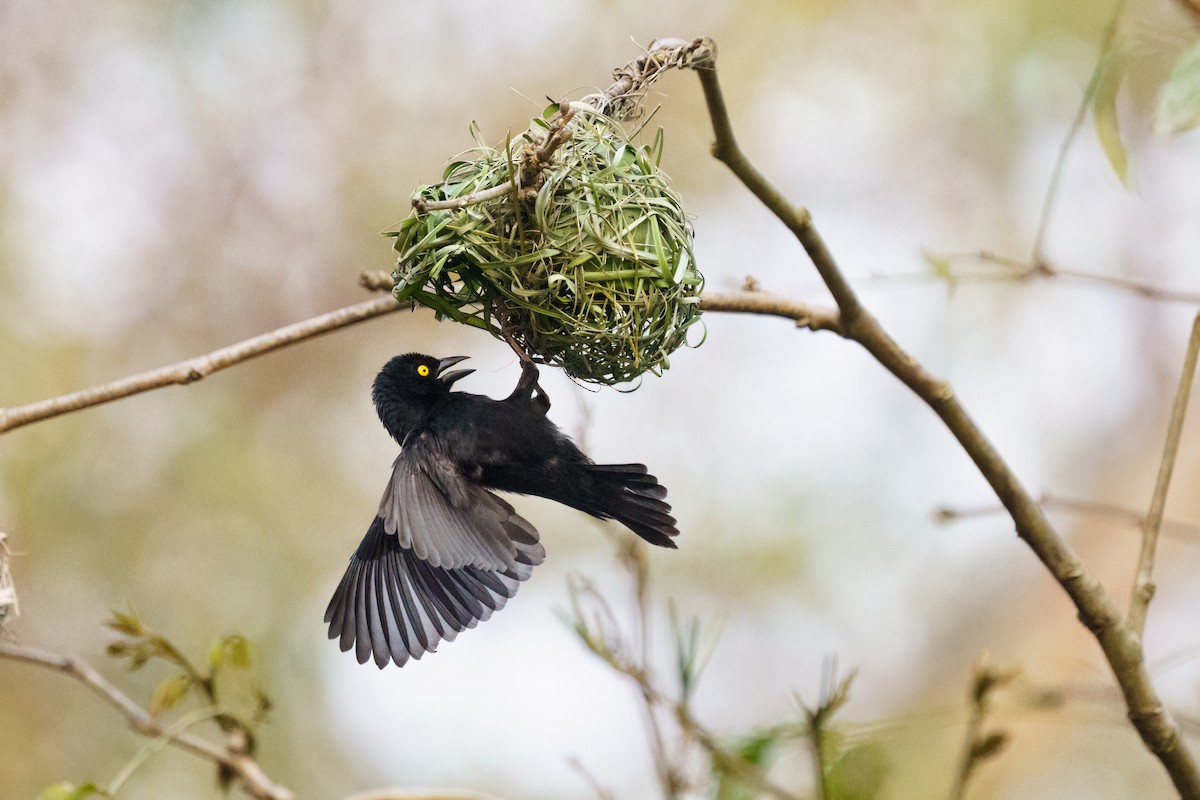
(723,758)
(536,159)
(1149,291)
(596,634)
(729,762)
(251,776)
(633,557)
(1015,270)
(475,198)
(815,318)
(1122,649)
(833,696)
(817,746)
(1143,585)
(623,99)
(967,762)
(602,791)
(1039,240)
(376,280)
(155,746)
(523,182)
(978,746)
(194,369)
(1189,531)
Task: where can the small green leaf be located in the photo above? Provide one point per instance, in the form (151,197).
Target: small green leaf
(1110,73)
(860,773)
(940,266)
(1179,100)
(216,655)
(237,649)
(757,749)
(69,791)
(168,693)
(127,624)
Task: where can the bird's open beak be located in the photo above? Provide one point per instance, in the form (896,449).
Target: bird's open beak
(449,378)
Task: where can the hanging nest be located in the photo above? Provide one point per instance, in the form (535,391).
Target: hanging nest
(568,243)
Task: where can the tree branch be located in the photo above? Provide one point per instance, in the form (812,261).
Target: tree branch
(250,774)
(1122,648)
(815,318)
(184,372)
(1143,585)
(194,369)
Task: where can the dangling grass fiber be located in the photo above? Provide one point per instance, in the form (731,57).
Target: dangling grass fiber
(595,273)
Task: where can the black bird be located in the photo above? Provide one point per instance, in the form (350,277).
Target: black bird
(444,552)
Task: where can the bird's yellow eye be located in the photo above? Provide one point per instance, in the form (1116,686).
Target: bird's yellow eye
(423,371)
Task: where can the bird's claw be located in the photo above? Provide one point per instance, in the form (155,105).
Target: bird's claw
(528,386)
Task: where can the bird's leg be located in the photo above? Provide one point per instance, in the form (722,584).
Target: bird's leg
(542,402)
(529,373)
(524,388)
(528,385)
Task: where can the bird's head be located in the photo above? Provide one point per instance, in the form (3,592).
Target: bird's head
(408,386)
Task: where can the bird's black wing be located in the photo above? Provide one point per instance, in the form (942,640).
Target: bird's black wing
(442,554)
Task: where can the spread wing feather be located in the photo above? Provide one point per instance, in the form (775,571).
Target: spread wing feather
(442,555)
(445,518)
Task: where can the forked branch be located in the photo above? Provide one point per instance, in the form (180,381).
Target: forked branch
(248,772)
(1121,645)
(1143,586)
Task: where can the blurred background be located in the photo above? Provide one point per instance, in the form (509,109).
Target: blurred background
(178,176)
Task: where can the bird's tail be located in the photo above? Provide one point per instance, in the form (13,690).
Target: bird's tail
(633,497)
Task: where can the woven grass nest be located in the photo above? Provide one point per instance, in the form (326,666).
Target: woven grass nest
(583,260)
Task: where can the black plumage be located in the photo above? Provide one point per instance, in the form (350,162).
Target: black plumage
(444,551)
